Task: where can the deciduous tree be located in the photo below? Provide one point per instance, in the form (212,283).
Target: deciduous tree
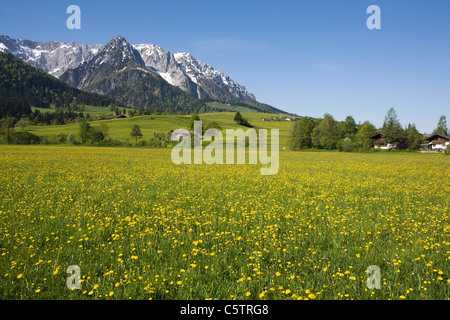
(327,134)
(136,132)
(84,132)
(364,134)
(300,133)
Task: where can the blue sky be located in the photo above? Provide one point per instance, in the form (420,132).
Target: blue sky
(307,57)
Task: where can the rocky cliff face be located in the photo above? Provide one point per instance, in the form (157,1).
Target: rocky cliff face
(165,64)
(52,57)
(116,56)
(119,72)
(181,70)
(215,83)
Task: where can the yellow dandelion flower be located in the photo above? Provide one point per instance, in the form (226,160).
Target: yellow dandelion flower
(312,296)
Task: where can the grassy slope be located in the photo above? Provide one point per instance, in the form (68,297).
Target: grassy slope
(221,106)
(92,110)
(120,128)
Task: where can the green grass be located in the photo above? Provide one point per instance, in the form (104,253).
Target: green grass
(120,128)
(92,110)
(230,108)
(140,227)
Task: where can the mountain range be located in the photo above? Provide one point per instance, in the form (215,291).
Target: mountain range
(23,86)
(89,66)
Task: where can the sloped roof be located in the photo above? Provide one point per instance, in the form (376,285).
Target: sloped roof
(435,136)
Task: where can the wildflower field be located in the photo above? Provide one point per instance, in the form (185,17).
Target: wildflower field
(140,227)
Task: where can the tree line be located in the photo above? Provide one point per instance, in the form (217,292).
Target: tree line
(327,133)
(306,133)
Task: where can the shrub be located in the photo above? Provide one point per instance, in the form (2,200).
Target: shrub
(24,138)
(347,145)
(96,135)
(61,138)
(142,143)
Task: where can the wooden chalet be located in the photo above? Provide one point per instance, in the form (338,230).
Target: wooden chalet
(437,142)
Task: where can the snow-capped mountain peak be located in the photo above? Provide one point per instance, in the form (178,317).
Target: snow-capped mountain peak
(52,57)
(199,72)
(179,69)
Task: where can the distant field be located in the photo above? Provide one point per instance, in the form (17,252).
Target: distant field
(120,128)
(93,111)
(222,106)
(140,227)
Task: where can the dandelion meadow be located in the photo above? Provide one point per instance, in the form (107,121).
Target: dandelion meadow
(140,227)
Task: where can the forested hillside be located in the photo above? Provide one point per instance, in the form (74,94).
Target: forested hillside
(23,87)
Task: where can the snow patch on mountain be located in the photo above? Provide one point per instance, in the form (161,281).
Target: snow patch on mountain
(179,69)
(52,57)
(199,71)
(3,48)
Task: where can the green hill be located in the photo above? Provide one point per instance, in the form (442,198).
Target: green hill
(120,128)
(25,89)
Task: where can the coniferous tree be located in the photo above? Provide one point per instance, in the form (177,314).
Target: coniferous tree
(238,117)
(241,120)
(442,126)
(392,130)
(7,128)
(415,139)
